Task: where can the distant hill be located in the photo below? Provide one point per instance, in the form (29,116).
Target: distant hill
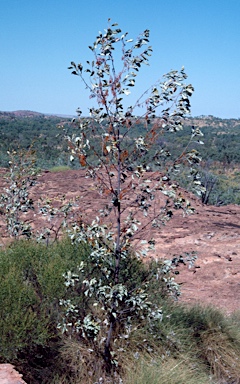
(26,113)
(20,113)
(220,168)
(214,122)
(200,121)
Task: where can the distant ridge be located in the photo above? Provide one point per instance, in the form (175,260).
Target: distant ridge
(195,120)
(27,113)
(22,113)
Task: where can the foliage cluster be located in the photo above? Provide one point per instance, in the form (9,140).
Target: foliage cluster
(189,345)
(15,200)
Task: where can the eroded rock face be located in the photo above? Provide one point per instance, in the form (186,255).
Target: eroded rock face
(8,375)
(212,232)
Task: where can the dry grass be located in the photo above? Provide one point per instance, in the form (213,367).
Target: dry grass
(85,364)
(203,349)
(222,356)
(181,370)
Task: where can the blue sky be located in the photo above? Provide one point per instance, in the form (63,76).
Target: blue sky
(39,38)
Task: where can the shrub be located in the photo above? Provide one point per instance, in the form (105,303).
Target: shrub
(31,284)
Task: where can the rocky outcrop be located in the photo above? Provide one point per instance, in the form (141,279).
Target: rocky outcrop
(212,232)
(8,375)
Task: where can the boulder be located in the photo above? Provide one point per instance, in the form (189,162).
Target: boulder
(8,375)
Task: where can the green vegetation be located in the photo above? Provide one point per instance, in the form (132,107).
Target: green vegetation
(41,132)
(221,160)
(189,345)
(60,168)
(220,152)
(31,284)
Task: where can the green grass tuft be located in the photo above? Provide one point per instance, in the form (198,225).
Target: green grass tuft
(60,168)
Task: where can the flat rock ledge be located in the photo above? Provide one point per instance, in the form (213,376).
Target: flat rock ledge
(8,375)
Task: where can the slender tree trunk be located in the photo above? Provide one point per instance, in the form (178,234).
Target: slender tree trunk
(118,247)
(107,350)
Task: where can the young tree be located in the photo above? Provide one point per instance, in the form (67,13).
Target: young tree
(118,145)
(15,200)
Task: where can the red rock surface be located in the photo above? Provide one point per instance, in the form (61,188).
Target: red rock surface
(213,232)
(8,375)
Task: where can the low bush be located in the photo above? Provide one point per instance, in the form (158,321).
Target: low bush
(188,345)
(31,284)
